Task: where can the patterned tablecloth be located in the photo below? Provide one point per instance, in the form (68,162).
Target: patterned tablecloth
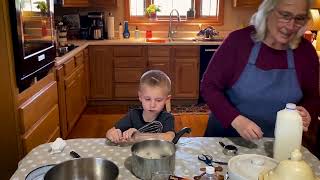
(187,164)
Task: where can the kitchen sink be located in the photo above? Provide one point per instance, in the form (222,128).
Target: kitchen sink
(167,40)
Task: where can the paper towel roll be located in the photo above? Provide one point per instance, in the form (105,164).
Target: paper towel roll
(110,27)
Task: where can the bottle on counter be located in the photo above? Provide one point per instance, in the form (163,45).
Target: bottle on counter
(126,33)
(288,132)
(209,174)
(136,33)
(120,31)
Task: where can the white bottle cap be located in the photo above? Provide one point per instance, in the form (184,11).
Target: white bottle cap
(210,170)
(291,106)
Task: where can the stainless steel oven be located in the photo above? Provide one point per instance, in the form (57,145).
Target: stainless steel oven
(33,39)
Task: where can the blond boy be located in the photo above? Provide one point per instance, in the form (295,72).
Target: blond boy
(154,93)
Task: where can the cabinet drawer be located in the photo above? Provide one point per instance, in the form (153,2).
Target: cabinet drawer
(187,51)
(158,51)
(128,74)
(69,66)
(86,52)
(37,106)
(43,130)
(129,62)
(79,59)
(128,51)
(126,90)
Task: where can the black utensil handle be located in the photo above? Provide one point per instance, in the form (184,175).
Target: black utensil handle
(222,144)
(219,162)
(74,154)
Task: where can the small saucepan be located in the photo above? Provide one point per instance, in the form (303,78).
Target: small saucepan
(152,156)
(83,168)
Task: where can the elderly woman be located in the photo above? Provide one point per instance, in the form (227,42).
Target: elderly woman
(260,68)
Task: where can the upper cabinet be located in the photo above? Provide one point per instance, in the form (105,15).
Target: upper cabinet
(246,3)
(99,3)
(75,3)
(87,3)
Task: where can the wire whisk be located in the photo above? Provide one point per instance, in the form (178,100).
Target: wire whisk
(151,127)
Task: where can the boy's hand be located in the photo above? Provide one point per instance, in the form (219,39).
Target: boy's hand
(128,134)
(114,135)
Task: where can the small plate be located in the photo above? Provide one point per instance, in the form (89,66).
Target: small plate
(38,173)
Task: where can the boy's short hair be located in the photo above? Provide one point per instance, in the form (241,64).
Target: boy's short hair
(156,78)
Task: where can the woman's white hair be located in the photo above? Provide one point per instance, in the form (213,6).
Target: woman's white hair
(259,21)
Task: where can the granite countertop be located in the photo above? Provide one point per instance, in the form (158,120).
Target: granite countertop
(85,43)
(186,161)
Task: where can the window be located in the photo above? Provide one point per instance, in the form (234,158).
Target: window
(204,11)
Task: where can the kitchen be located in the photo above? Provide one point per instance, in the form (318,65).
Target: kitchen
(72,70)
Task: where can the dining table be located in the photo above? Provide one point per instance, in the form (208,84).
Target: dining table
(187,163)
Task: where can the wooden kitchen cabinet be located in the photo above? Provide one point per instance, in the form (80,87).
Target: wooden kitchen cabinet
(101,72)
(246,3)
(75,96)
(72,87)
(129,64)
(159,59)
(186,78)
(75,3)
(99,3)
(39,113)
(186,72)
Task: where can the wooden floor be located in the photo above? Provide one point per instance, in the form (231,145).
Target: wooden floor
(96,120)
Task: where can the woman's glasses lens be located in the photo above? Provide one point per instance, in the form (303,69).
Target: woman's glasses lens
(286,17)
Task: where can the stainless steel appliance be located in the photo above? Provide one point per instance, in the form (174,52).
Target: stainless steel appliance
(33,39)
(96,27)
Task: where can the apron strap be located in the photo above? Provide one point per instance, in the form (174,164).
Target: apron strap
(290,59)
(255,52)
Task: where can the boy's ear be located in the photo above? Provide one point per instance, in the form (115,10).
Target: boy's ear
(139,95)
(168,98)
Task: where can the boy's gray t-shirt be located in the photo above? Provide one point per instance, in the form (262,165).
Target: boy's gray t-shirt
(134,119)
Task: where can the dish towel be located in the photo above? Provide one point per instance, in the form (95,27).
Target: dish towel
(57,146)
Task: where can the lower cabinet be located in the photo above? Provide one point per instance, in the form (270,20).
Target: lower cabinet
(72,86)
(39,113)
(101,72)
(186,78)
(114,71)
(75,96)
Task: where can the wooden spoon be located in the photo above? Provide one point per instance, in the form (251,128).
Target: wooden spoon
(199,177)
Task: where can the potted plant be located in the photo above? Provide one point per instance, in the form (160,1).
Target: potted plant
(43,7)
(152,10)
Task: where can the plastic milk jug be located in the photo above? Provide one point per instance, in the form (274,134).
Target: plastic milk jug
(288,132)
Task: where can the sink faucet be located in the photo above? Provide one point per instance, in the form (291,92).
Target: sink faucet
(171,32)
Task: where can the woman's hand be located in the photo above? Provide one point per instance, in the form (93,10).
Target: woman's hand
(128,134)
(114,135)
(306,118)
(247,128)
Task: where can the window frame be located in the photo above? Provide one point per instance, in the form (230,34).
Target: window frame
(215,20)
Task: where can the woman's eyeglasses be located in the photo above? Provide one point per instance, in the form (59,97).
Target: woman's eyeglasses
(286,17)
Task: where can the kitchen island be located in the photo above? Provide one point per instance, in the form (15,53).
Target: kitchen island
(186,165)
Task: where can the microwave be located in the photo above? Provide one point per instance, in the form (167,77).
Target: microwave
(33,40)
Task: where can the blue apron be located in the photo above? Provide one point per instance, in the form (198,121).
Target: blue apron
(258,95)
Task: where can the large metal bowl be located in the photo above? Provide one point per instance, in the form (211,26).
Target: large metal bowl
(83,168)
